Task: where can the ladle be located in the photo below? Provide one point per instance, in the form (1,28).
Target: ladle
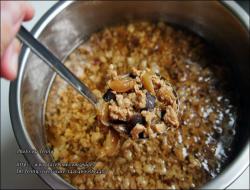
(48,57)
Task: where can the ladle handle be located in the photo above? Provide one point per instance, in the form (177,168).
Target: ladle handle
(41,51)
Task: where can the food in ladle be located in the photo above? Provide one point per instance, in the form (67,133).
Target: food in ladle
(141,104)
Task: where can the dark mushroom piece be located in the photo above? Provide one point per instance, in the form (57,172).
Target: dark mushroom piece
(109,95)
(137,118)
(150,101)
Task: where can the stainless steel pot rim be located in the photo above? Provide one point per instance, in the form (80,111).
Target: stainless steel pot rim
(238,166)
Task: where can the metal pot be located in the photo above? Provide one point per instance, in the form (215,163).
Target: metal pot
(65,25)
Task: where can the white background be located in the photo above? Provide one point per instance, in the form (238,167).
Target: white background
(9,158)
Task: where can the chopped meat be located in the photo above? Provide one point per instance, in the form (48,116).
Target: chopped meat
(149,116)
(171,117)
(123,102)
(160,128)
(165,94)
(137,130)
(140,97)
(118,113)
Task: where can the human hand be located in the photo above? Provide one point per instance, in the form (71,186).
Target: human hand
(12,15)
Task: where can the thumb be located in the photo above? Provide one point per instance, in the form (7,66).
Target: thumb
(9,61)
